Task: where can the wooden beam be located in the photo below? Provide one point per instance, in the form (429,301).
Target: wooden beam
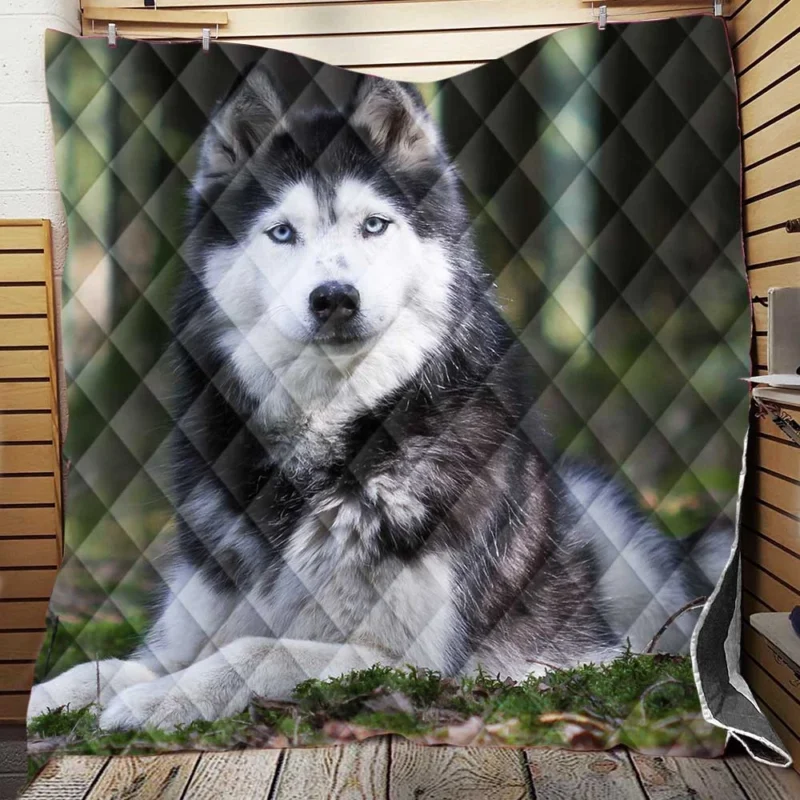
(13,707)
(565,774)
(156,16)
(22,267)
(21,235)
(773,210)
(20,645)
(25,396)
(469,773)
(776,697)
(771,175)
(776,30)
(16,677)
(781,563)
(749,16)
(164,777)
(23,614)
(67,778)
(24,332)
(24,364)
(762,585)
(361,768)
(762,783)
(780,457)
(780,275)
(243,773)
(20,489)
(776,526)
(778,492)
(670,778)
(27,584)
(23,300)
(33,521)
(768,658)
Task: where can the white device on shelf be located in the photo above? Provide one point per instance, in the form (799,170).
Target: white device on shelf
(783,339)
(783,331)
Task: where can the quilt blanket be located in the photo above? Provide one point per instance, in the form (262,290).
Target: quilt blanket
(394,407)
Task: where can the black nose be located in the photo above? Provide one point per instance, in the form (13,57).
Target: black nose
(334,301)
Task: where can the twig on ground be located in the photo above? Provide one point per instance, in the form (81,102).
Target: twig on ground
(698,602)
(545,664)
(296,731)
(53,635)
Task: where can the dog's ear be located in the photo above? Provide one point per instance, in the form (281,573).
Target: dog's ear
(246,118)
(396,121)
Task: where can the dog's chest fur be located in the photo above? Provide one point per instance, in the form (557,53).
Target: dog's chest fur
(341,578)
(334,586)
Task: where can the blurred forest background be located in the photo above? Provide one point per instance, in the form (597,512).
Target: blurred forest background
(601,169)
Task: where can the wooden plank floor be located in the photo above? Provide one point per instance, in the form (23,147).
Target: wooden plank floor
(393,768)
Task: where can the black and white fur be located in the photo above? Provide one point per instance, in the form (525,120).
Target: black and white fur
(370,488)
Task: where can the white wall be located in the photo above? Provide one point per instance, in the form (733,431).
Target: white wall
(28,187)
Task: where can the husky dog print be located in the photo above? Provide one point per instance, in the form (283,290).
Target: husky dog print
(358,477)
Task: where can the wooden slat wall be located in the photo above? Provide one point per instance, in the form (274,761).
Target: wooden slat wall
(30,480)
(766,57)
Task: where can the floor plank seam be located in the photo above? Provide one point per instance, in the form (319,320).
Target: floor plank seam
(273,788)
(389,748)
(95,780)
(636,774)
(528,774)
(191,776)
(737,781)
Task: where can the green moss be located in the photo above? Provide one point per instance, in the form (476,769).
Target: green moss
(399,722)
(343,696)
(645,702)
(64,721)
(69,643)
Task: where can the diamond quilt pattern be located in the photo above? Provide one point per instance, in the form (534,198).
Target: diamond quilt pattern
(601,173)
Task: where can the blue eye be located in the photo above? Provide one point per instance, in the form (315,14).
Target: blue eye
(374,226)
(282,234)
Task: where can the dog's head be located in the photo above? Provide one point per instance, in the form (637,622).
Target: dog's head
(328,240)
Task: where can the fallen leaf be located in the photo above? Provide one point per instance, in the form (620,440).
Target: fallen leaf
(551,717)
(504,730)
(579,738)
(466,732)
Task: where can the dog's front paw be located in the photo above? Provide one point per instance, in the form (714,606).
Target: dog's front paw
(159,704)
(43,699)
(75,688)
(91,683)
